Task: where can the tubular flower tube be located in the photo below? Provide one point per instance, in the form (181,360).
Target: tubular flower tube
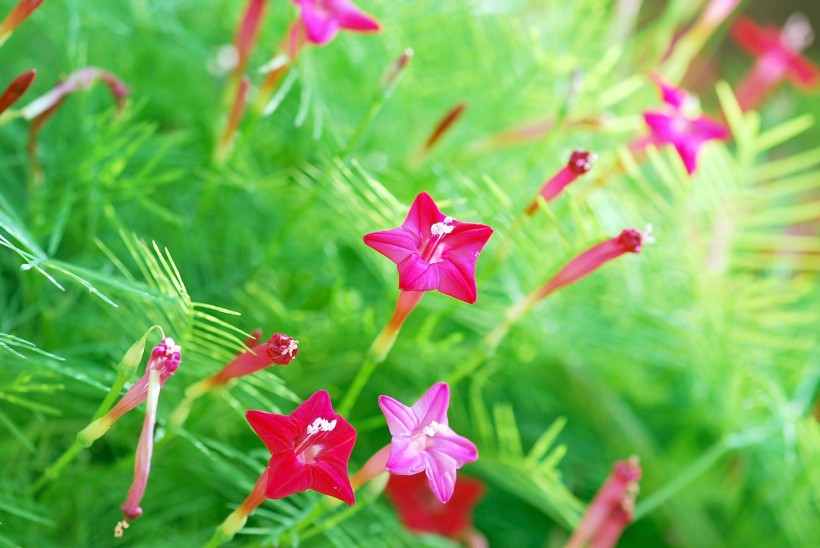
(142,463)
(16,88)
(246,34)
(421,512)
(17,15)
(611,510)
(679,125)
(310,449)
(628,241)
(422,442)
(278,350)
(164,360)
(778,57)
(580,162)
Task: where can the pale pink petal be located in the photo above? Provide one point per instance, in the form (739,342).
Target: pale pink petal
(405,458)
(400,419)
(432,405)
(441,473)
(459,448)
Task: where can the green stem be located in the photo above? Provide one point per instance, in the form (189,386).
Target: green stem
(53,471)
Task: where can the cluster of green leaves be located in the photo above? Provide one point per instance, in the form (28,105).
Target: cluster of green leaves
(699,355)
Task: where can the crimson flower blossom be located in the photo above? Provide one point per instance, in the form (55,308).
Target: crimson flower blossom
(778,58)
(580,162)
(310,449)
(678,125)
(424,442)
(432,251)
(323,19)
(611,510)
(422,512)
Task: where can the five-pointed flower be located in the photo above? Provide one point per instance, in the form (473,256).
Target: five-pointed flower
(433,251)
(310,449)
(323,19)
(778,53)
(424,442)
(421,512)
(678,125)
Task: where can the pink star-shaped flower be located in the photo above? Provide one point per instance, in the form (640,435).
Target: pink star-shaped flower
(424,442)
(323,19)
(778,53)
(310,449)
(677,127)
(433,251)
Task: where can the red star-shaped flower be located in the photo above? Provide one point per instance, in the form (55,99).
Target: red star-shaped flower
(420,511)
(310,449)
(433,251)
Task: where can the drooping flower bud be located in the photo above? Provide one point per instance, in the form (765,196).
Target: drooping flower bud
(580,162)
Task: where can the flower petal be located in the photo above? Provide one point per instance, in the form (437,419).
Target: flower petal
(330,478)
(287,475)
(688,151)
(316,406)
(458,448)
(352,18)
(708,129)
(321,27)
(457,279)
(803,73)
(405,459)
(441,473)
(423,214)
(276,431)
(400,419)
(416,274)
(396,244)
(432,406)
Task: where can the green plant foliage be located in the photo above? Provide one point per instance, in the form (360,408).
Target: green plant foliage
(699,355)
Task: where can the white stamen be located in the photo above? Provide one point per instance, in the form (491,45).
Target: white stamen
(442,228)
(797,33)
(321,425)
(171,347)
(434,428)
(277,62)
(293,346)
(645,235)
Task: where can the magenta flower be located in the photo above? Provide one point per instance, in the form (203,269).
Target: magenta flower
(432,251)
(677,126)
(16,88)
(310,449)
(779,58)
(424,442)
(580,162)
(611,510)
(323,19)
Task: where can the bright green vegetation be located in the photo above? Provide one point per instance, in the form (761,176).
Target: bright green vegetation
(700,355)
